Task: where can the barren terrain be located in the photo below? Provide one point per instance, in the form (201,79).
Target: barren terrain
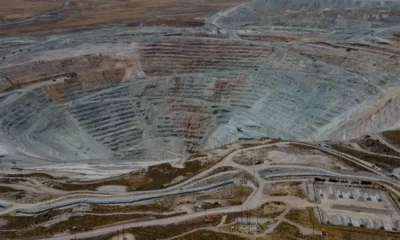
(46,16)
(200,119)
(158,93)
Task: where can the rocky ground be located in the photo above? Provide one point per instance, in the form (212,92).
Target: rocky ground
(193,88)
(160,93)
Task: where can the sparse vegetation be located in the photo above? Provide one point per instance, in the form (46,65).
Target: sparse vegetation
(4,189)
(307,218)
(153,207)
(264,138)
(287,231)
(92,186)
(12,180)
(34,175)
(167,231)
(393,136)
(197,155)
(396,36)
(339,158)
(221,169)
(160,176)
(272,140)
(232,195)
(303,217)
(210,235)
(374,145)
(286,189)
(25,222)
(249,145)
(156,177)
(28,225)
(384,162)
(267,210)
(240,195)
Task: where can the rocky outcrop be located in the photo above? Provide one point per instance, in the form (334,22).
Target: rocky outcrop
(160,93)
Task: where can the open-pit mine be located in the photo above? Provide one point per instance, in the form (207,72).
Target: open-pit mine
(200,119)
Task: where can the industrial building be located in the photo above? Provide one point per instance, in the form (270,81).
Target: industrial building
(347,221)
(393,227)
(378,197)
(379,225)
(361,223)
(339,194)
(327,220)
(367,197)
(351,196)
(371,210)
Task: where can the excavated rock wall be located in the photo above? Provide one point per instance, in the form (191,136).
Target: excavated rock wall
(160,93)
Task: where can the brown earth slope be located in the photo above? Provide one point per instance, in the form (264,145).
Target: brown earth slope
(45,16)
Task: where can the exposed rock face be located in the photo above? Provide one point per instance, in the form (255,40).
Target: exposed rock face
(338,14)
(158,93)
